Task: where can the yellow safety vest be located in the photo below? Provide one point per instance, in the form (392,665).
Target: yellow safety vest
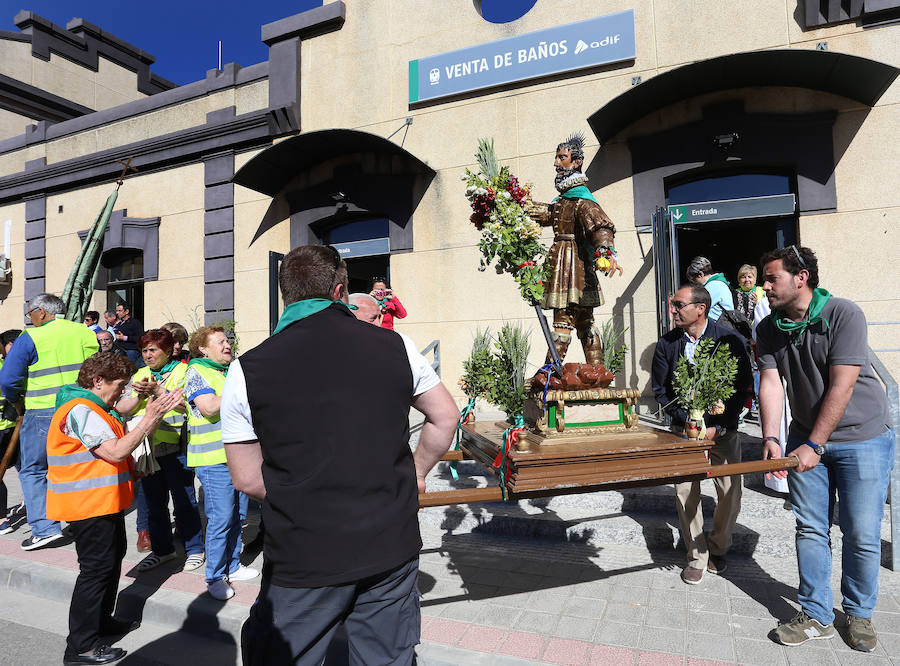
(205,434)
(62,346)
(169,429)
(4,423)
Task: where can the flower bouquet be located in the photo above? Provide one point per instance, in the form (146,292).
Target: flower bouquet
(702,386)
(508,234)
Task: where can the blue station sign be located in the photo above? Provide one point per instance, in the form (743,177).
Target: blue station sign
(363,248)
(597,41)
(774,205)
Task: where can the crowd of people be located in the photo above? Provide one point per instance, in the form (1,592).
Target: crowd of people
(812,347)
(121,417)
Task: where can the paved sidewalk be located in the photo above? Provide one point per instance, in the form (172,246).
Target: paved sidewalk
(503,600)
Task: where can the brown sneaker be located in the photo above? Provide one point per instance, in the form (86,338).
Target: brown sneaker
(691,575)
(861,633)
(717,564)
(143,542)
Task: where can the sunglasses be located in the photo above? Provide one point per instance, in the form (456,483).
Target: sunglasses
(799,258)
(678,306)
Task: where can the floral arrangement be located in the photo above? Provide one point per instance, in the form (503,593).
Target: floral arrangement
(704,385)
(508,235)
(614,349)
(498,374)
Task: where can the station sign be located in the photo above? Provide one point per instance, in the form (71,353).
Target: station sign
(598,41)
(774,205)
(363,248)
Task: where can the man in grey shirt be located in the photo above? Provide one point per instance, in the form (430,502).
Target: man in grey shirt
(839,434)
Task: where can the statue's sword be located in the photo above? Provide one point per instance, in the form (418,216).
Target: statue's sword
(545,327)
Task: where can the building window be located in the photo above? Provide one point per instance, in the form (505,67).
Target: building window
(125,280)
(503,11)
(818,13)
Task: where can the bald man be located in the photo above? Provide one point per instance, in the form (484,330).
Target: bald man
(368,309)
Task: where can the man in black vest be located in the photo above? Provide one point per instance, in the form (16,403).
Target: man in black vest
(315,425)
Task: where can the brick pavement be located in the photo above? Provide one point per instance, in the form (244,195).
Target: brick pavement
(504,600)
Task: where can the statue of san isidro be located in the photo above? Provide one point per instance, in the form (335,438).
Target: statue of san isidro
(582,245)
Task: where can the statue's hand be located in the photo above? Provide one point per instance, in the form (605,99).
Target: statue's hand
(538,211)
(613,267)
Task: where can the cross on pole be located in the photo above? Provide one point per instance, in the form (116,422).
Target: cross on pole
(126,167)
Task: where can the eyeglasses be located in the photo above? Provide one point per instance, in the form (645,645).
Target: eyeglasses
(678,306)
(799,258)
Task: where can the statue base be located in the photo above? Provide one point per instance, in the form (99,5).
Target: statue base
(566,416)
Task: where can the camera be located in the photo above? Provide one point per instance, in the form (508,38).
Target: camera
(380,294)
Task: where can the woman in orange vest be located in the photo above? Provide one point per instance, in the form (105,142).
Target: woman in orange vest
(90,483)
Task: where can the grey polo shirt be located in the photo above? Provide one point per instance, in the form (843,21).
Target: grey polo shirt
(805,369)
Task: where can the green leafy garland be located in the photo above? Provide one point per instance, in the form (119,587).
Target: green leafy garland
(698,386)
(613,349)
(508,235)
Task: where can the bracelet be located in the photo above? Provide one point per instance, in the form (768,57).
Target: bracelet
(606,251)
(772,439)
(138,426)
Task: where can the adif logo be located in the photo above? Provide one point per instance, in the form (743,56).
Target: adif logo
(583,46)
(434,76)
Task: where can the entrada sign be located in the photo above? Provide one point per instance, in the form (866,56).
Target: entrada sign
(363,248)
(597,41)
(733,209)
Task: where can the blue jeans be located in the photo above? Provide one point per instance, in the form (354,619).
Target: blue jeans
(176,479)
(223,521)
(858,472)
(33,473)
(140,507)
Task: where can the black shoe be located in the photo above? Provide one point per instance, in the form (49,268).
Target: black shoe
(102,654)
(117,627)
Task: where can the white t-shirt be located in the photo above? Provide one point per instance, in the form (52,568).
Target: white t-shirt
(237,424)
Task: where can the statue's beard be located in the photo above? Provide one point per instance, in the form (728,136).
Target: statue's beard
(562,175)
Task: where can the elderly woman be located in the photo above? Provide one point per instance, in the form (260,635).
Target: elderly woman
(210,356)
(748,293)
(162,374)
(90,484)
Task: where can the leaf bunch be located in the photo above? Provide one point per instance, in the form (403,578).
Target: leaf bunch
(709,379)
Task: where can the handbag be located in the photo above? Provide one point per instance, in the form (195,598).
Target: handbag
(145,462)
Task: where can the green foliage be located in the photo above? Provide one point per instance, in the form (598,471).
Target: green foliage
(495,370)
(479,369)
(613,349)
(709,379)
(487,160)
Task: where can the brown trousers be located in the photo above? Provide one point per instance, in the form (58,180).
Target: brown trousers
(727,450)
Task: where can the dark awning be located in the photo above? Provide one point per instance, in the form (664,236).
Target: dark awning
(856,78)
(280,170)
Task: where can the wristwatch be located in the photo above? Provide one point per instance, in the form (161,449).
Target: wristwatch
(721,430)
(818,448)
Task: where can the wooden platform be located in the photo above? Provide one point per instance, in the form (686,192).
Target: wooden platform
(641,456)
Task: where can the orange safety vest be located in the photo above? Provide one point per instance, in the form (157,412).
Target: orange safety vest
(81,485)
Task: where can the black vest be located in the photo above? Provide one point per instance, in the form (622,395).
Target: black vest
(329,397)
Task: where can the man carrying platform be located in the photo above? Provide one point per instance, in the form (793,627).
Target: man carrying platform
(315,425)
(840,435)
(690,308)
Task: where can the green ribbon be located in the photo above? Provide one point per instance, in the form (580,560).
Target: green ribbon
(209,363)
(718,277)
(463,415)
(577,192)
(73,391)
(301,309)
(813,315)
(518,422)
(157,374)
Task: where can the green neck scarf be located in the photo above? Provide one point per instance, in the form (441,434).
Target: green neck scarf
(577,192)
(73,391)
(813,315)
(302,309)
(208,363)
(720,277)
(158,374)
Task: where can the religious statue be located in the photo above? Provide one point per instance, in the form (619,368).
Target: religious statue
(582,245)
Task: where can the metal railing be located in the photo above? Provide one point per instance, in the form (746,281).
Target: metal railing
(435,348)
(893,394)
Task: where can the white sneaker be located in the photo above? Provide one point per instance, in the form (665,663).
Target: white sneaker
(220,589)
(243,573)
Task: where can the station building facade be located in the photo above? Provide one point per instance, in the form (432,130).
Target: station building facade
(720,128)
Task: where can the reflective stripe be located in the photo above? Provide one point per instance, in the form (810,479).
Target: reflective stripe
(203,428)
(52,371)
(71,459)
(39,392)
(205,448)
(176,419)
(88,484)
(165,427)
